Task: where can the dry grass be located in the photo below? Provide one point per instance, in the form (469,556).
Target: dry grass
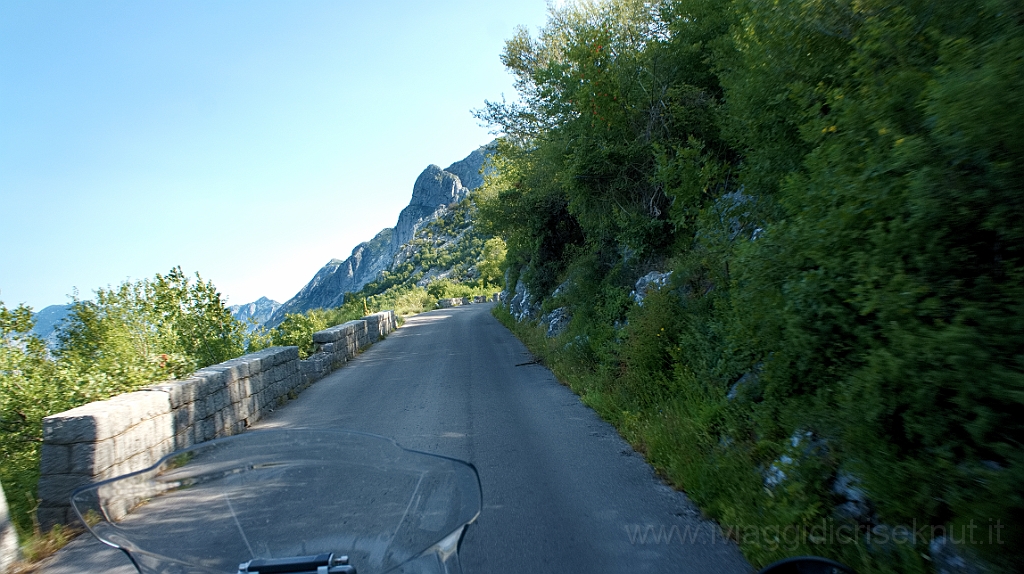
(43,545)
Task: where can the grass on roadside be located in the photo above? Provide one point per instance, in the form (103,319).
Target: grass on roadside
(678,438)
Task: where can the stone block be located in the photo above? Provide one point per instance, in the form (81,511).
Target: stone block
(87,423)
(55,459)
(281,371)
(221,399)
(284,354)
(291,367)
(140,461)
(337,361)
(240,410)
(185,438)
(165,424)
(164,448)
(294,381)
(140,406)
(255,362)
(183,418)
(271,376)
(285,370)
(200,409)
(225,371)
(181,392)
(221,420)
(56,489)
(178,392)
(265,356)
(206,429)
(239,367)
(256,381)
(310,366)
(210,381)
(240,389)
(326,336)
(124,447)
(92,458)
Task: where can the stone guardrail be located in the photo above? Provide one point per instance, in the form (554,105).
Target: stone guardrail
(8,537)
(132,431)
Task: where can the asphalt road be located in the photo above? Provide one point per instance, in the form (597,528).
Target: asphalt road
(562,492)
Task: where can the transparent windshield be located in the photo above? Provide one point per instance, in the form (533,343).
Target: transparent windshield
(284,493)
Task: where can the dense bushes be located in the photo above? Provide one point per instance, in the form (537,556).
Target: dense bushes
(837,189)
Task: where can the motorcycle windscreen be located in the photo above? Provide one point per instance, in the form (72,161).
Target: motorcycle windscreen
(284,493)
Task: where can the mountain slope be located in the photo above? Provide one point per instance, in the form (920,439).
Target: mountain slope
(261,310)
(435,191)
(46,322)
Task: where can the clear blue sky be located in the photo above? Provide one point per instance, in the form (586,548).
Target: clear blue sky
(249,141)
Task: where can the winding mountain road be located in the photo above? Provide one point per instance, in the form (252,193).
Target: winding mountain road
(562,492)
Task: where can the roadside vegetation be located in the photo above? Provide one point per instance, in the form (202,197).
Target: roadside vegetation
(835,188)
(125,338)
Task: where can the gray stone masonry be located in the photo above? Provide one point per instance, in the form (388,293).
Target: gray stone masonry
(336,345)
(132,431)
(8,537)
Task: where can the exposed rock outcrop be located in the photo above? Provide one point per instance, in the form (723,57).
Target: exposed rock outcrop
(521,305)
(434,190)
(557,321)
(645,283)
(469,169)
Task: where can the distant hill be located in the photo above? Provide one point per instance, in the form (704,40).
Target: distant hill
(435,191)
(46,322)
(261,310)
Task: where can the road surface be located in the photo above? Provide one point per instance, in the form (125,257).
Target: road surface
(562,492)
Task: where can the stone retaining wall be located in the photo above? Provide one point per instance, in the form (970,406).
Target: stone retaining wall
(459,301)
(132,431)
(335,346)
(8,537)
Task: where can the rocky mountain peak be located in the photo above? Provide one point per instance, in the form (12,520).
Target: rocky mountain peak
(435,187)
(434,190)
(260,310)
(469,168)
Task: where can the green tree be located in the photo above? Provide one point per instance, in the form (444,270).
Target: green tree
(491,263)
(29,390)
(149,330)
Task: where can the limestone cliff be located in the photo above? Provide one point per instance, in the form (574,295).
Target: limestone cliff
(434,190)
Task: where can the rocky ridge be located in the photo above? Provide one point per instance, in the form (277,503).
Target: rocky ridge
(259,310)
(47,320)
(435,191)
